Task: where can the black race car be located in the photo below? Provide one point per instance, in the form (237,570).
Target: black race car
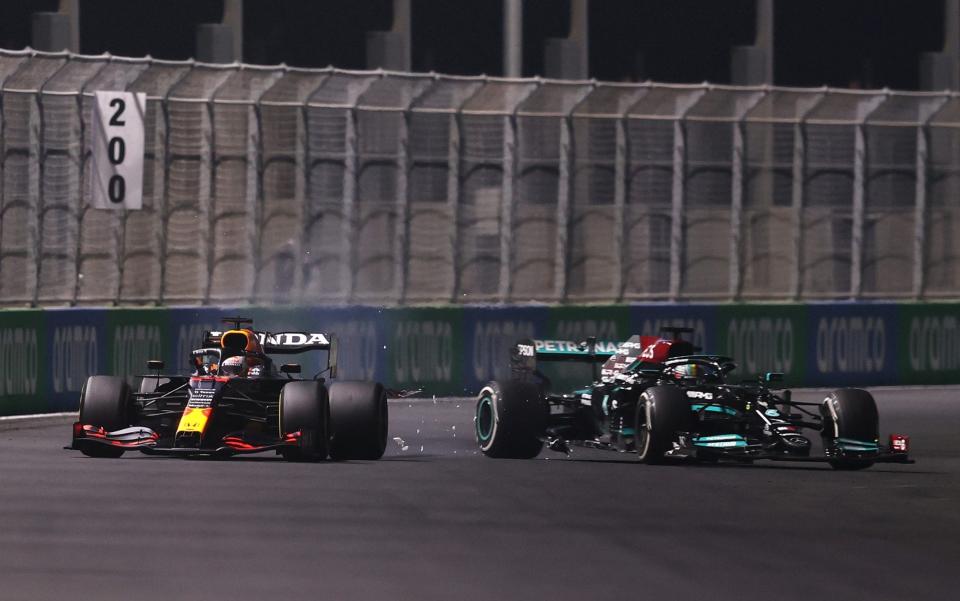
(657,397)
(237,401)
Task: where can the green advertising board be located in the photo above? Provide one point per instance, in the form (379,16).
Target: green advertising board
(425,349)
(764,338)
(929,345)
(22,353)
(609,323)
(135,336)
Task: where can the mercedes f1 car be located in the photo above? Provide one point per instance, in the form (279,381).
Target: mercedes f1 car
(237,401)
(657,397)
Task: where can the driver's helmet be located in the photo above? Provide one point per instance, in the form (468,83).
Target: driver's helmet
(696,372)
(241,366)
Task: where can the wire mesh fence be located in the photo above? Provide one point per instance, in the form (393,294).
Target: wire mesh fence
(283,185)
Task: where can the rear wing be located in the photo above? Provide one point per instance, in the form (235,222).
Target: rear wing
(283,343)
(289,343)
(616,357)
(587,351)
(525,354)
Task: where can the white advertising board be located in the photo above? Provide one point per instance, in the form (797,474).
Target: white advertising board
(117,150)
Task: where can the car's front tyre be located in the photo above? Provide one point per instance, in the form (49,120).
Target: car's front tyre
(105,403)
(661,412)
(851,428)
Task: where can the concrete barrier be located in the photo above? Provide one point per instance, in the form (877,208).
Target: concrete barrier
(46,354)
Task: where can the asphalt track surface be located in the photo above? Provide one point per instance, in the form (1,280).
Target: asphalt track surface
(436,520)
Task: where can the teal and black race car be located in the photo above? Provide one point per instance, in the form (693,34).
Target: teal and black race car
(657,397)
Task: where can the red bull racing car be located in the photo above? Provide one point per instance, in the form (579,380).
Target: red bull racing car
(657,397)
(237,401)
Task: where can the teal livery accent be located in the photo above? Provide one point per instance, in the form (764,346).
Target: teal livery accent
(850,444)
(771,413)
(859,442)
(484,418)
(628,431)
(714,409)
(720,441)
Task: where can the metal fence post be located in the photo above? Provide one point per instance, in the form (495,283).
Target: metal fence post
(83,172)
(454,160)
(736,209)
(167,159)
(256,200)
(211,199)
(920,212)
(562,252)
(37,221)
(405,166)
(307,218)
(621,159)
(798,190)
(256,215)
(401,252)
(799,173)
(508,200)
(350,191)
(920,206)
(860,159)
(738,191)
(678,194)
(677,198)
(455,183)
(506,205)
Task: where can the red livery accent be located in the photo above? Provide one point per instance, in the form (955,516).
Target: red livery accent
(655,349)
(899,443)
(194,379)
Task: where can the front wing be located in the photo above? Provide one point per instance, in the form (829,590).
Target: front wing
(147,441)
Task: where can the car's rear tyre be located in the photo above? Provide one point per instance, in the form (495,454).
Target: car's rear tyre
(104,403)
(511,420)
(358,420)
(849,415)
(305,408)
(662,411)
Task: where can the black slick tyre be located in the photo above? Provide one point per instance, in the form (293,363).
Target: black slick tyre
(304,408)
(662,411)
(511,420)
(104,403)
(851,428)
(358,420)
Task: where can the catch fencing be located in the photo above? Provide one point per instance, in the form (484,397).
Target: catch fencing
(283,185)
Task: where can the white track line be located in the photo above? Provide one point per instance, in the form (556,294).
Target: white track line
(17,418)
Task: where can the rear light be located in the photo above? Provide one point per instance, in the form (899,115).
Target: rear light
(899,443)
(77,430)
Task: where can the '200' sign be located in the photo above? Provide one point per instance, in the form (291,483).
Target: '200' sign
(117,150)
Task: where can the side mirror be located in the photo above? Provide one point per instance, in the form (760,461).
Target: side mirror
(290,368)
(773,376)
(155,364)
